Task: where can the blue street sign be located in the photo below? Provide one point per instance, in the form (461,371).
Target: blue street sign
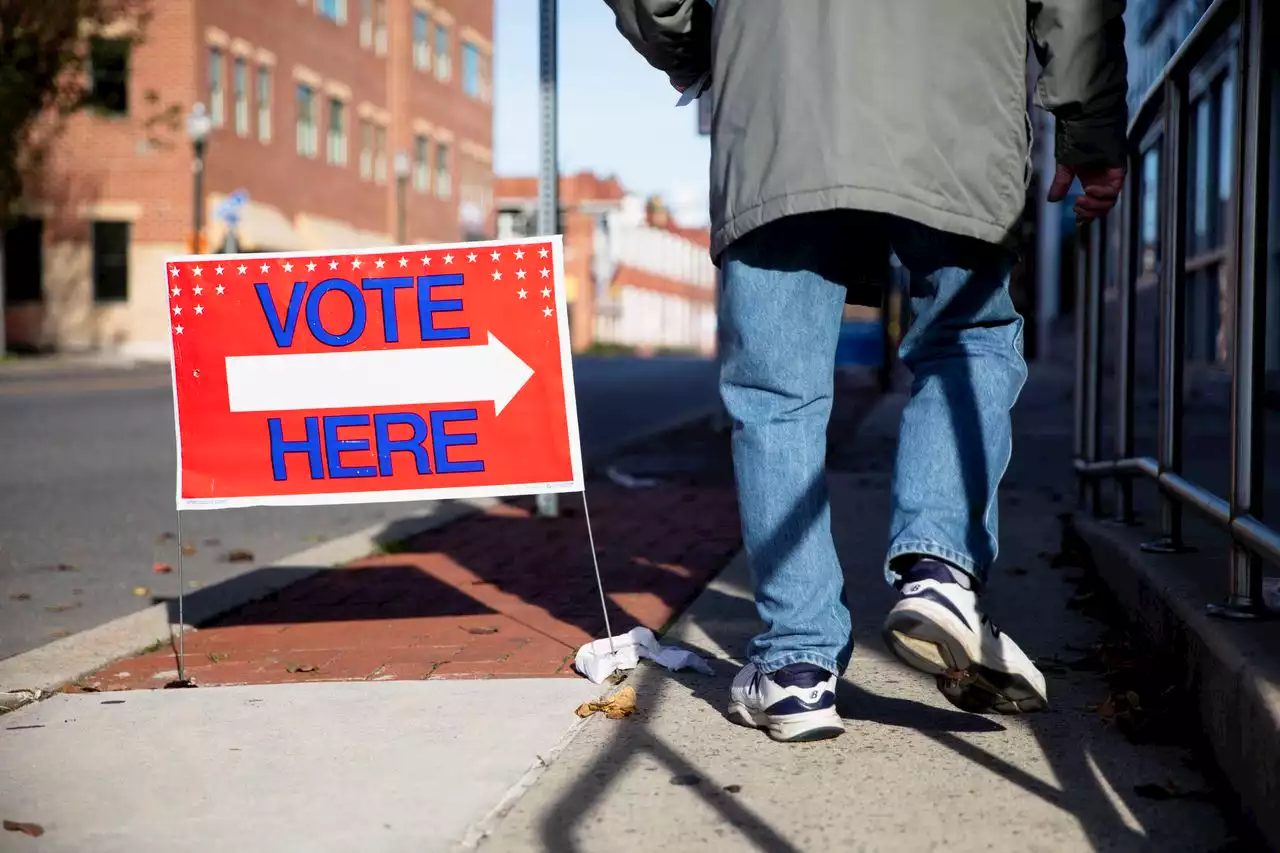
(228,209)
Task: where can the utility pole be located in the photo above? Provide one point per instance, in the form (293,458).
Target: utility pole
(549,167)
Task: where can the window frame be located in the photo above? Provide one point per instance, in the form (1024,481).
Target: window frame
(422,58)
(305,103)
(443,173)
(264,96)
(379,153)
(216,88)
(116,81)
(472,83)
(336,143)
(443,51)
(332,10)
(96,258)
(422,163)
(240,95)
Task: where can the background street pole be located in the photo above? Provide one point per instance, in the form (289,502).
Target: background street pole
(549,167)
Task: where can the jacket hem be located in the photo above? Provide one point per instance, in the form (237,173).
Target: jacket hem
(855,198)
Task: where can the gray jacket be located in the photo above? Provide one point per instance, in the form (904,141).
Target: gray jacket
(915,108)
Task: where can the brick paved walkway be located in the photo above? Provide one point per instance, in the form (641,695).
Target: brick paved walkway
(498,594)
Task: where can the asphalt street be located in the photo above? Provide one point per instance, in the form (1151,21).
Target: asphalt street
(87,489)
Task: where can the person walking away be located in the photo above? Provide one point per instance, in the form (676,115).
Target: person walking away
(844,131)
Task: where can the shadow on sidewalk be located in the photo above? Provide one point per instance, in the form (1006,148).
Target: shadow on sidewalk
(1076,766)
(953,410)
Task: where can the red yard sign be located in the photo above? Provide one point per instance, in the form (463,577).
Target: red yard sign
(351,377)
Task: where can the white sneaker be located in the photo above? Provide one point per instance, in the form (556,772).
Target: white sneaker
(795,704)
(938,629)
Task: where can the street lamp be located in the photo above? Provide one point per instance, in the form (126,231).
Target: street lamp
(198,127)
(402,167)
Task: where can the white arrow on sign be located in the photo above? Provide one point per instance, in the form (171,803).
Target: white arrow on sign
(371,378)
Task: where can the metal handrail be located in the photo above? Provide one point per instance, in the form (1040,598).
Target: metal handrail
(1166,104)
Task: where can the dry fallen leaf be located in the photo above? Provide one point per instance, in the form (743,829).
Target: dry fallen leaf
(619,705)
(35,830)
(162,568)
(301,667)
(482,630)
(20,596)
(165,537)
(62,608)
(57,635)
(238,555)
(188,550)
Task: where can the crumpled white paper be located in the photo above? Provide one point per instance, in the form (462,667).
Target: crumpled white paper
(597,661)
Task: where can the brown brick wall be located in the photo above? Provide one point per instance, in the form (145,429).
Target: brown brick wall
(299,38)
(104,158)
(106,167)
(108,159)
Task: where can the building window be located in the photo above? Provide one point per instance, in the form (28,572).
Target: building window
(217,112)
(240,92)
(264,103)
(380,27)
(380,154)
(109,76)
(421,164)
(306,120)
(421,41)
(366,23)
(444,67)
(366,150)
(337,140)
(110,261)
(444,175)
(334,10)
(23,242)
(471,84)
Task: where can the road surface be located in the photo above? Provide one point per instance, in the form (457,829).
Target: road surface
(87,484)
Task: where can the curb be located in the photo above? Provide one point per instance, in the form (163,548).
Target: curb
(63,661)
(1231,668)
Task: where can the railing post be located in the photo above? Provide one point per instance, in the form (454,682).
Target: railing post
(1253,181)
(1173,180)
(1082,341)
(1126,297)
(1096,248)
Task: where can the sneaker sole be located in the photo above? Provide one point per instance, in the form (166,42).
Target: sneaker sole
(918,640)
(793,728)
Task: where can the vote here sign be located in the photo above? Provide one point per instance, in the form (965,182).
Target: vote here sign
(349,377)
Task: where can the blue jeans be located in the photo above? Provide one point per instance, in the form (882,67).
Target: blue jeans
(784,287)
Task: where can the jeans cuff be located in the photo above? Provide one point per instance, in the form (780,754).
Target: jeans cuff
(927,548)
(774,664)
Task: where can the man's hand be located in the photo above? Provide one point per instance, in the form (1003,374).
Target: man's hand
(1101,189)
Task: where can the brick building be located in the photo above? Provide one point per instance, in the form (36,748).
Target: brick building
(311,102)
(633,277)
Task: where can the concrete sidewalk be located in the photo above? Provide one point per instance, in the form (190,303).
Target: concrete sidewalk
(912,773)
(326,768)
(427,765)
